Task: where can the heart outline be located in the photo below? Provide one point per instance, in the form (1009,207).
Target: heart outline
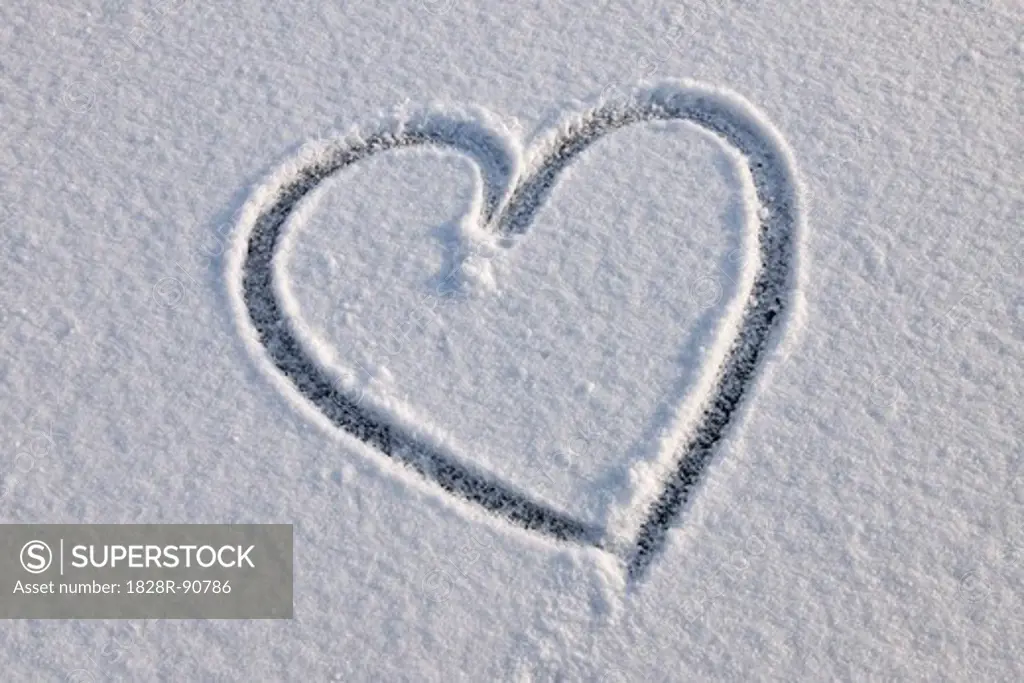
(509,201)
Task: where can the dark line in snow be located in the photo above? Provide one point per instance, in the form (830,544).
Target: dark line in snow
(767,301)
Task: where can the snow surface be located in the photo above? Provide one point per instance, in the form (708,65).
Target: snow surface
(861,520)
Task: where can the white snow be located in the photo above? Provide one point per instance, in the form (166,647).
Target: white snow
(861,520)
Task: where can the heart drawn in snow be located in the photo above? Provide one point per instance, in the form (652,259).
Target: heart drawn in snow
(509,200)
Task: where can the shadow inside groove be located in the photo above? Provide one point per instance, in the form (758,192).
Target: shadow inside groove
(766,302)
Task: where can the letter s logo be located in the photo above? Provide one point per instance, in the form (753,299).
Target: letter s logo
(36,557)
